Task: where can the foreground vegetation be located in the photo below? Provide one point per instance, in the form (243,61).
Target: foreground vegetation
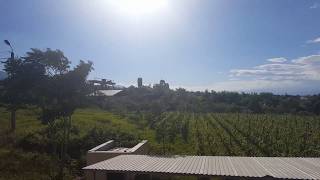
(28,154)
(168,133)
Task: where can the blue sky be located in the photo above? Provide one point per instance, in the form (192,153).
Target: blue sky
(256,45)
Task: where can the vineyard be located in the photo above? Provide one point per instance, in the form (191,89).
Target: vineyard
(236,134)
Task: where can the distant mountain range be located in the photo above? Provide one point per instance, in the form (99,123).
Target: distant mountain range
(2,75)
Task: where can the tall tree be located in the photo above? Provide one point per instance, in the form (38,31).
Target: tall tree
(23,77)
(44,78)
(63,94)
(55,63)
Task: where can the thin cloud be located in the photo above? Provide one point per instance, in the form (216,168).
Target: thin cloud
(285,87)
(303,68)
(316,40)
(277,60)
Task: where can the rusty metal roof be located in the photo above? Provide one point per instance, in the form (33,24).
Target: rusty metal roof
(277,167)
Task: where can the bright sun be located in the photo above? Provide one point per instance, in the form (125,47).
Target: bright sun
(139,7)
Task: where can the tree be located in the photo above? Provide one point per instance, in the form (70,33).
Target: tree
(254,104)
(23,77)
(54,60)
(44,78)
(61,96)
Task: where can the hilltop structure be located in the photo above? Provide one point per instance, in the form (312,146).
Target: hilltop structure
(104,87)
(140,82)
(162,85)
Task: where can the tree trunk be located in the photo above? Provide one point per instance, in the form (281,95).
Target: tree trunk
(62,150)
(64,144)
(13,120)
(67,143)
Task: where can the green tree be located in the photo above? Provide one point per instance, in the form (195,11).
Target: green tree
(63,94)
(23,77)
(54,60)
(59,94)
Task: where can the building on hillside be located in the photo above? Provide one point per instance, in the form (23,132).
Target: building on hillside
(104,87)
(111,163)
(140,82)
(162,85)
(102,84)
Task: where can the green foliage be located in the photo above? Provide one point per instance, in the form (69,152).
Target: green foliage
(19,86)
(53,87)
(157,100)
(90,128)
(23,78)
(54,60)
(63,93)
(17,164)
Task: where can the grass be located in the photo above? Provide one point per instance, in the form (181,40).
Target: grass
(83,119)
(24,157)
(26,122)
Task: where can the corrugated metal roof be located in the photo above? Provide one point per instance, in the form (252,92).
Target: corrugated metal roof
(277,167)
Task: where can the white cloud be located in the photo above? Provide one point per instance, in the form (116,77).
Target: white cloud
(298,76)
(277,60)
(303,68)
(316,40)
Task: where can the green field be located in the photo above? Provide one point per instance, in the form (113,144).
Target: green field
(168,133)
(240,134)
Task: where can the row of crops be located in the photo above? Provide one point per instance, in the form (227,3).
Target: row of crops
(236,134)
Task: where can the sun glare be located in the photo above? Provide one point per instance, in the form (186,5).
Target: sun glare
(138,7)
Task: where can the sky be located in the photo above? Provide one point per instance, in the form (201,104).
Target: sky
(243,45)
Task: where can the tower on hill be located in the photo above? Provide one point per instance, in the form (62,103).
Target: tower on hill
(139,82)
